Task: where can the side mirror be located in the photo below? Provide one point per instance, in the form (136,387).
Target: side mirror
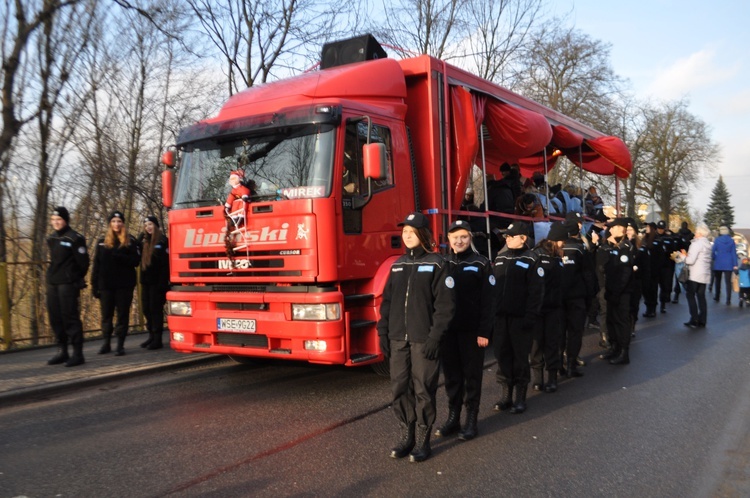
(167,188)
(375,164)
(167,159)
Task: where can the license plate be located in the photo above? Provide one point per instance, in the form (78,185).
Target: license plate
(235,325)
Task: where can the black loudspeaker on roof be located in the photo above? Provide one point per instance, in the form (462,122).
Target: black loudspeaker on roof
(357,49)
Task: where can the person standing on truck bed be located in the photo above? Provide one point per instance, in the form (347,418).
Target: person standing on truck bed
(462,351)
(69,262)
(417,308)
(113,280)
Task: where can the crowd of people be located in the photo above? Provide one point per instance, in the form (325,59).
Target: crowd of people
(530,303)
(113,280)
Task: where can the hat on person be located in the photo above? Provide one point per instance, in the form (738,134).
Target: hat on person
(238,173)
(415,220)
(116,214)
(558,231)
(574,217)
(723,230)
(661,225)
(516,228)
(152,219)
(651,224)
(63,213)
(504,168)
(631,223)
(459,225)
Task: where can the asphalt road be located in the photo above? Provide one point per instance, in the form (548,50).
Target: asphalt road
(675,422)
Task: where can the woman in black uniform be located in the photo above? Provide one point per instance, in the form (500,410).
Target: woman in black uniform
(416,310)
(545,348)
(113,280)
(154,279)
(462,352)
(520,287)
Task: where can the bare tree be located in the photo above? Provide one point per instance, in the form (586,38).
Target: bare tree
(675,151)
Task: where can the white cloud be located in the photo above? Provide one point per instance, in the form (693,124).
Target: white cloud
(698,70)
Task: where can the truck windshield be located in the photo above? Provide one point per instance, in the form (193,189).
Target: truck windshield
(290,163)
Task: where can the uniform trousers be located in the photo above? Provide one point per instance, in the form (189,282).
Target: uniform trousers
(118,300)
(651,292)
(574,320)
(414,383)
(545,348)
(666,275)
(512,347)
(152,304)
(64,313)
(618,322)
(463,363)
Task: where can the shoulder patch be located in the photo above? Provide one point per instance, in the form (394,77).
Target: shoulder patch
(449,282)
(624,258)
(471,268)
(82,250)
(426,268)
(522,264)
(540,271)
(492,280)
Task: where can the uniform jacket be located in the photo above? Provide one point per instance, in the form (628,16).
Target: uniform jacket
(157,273)
(669,245)
(520,283)
(643,262)
(69,259)
(724,253)
(553,278)
(114,268)
(618,271)
(474,294)
(579,272)
(418,298)
(698,261)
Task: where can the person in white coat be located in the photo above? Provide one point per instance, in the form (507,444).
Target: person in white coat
(698,261)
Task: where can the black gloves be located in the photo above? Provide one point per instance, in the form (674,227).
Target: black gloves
(431,349)
(385,346)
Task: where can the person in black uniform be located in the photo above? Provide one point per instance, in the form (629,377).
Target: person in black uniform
(641,271)
(618,281)
(113,280)
(520,288)
(154,279)
(666,270)
(419,292)
(579,282)
(656,259)
(462,351)
(69,262)
(545,348)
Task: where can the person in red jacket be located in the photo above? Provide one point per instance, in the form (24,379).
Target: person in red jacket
(238,189)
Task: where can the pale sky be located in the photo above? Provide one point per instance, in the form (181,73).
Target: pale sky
(670,49)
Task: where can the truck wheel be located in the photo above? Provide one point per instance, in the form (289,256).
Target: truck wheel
(383,368)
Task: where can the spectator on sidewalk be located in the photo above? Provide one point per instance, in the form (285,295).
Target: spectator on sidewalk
(698,261)
(724,254)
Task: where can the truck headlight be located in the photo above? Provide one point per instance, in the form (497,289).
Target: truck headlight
(319,346)
(179,308)
(317,312)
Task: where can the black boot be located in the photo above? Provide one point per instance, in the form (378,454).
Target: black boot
(572,369)
(120,345)
(551,385)
(538,375)
(519,404)
(507,400)
(156,343)
(663,308)
(422,450)
(611,353)
(148,341)
(77,358)
(107,345)
(405,440)
(622,359)
(469,430)
(61,356)
(452,424)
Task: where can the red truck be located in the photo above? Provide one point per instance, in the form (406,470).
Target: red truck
(338,157)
